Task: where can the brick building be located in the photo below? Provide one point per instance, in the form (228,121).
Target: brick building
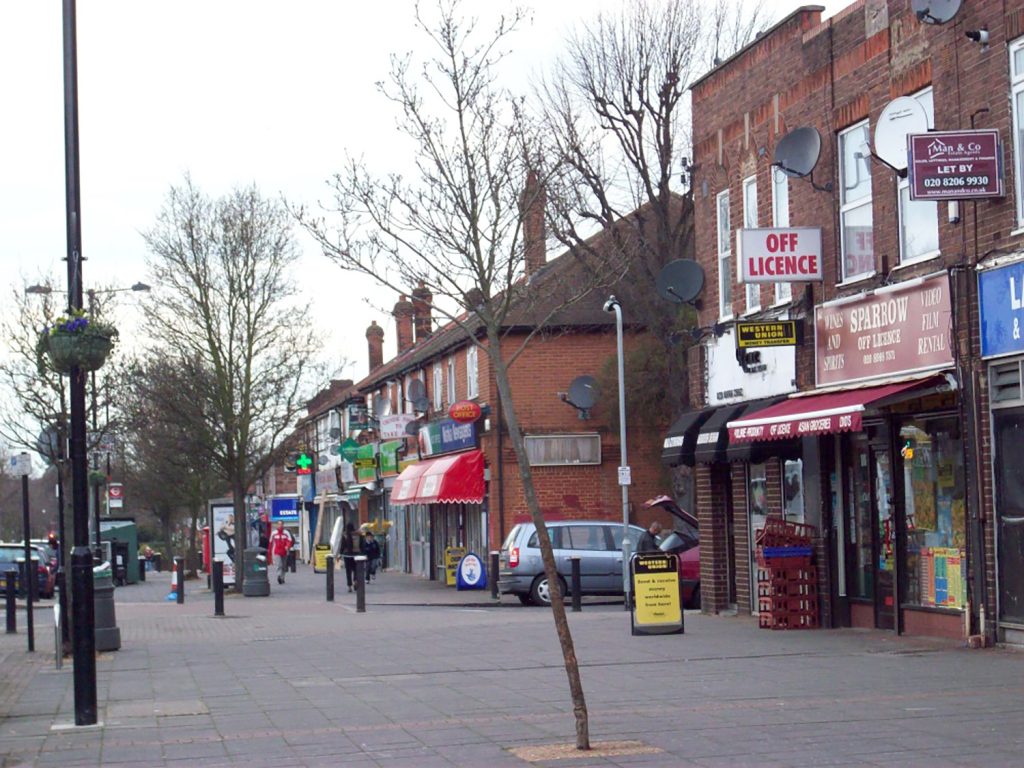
(890,425)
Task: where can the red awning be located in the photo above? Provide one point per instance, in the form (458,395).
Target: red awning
(822,414)
(455,479)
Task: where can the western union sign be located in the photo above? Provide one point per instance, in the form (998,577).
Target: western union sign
(782,333)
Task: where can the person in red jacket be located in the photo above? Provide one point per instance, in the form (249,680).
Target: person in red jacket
(281,542)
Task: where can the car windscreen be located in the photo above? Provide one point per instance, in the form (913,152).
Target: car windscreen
(511,537)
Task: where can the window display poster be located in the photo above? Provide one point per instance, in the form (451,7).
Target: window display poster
(942,577)
(793,490)
(223,538)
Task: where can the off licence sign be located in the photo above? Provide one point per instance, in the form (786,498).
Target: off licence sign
(778,334)
(954,165)
(779,255)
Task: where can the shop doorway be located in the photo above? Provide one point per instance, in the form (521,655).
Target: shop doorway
(1008,429)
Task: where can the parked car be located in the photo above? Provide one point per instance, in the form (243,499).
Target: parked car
(598,544)
(11,554)
(684,541)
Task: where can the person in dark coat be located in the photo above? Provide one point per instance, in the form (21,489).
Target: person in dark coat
(372,547)
(649,538)
(351,547)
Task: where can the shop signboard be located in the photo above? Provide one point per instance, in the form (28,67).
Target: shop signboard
(657,598)
(320,553)
(785,255)
(452,557)
(902,328)
(286,509)
(327,481)
(358,417)
(446,436)
(366,463)
(955,165)
(393,426)
(1001,301)
(389,457)
(781,333)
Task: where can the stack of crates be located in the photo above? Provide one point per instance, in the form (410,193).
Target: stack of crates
(787,580)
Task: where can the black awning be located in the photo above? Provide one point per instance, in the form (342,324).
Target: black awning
(714,436)
(755,453)
(681,438)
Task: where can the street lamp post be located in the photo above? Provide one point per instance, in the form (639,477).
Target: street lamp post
(612,305)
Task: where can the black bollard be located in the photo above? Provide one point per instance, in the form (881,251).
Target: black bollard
(291,561)
(12,617)
(179,568)
(576,588)
(141,562)
(218,588)
(330,578)
(494,575)
(360,584)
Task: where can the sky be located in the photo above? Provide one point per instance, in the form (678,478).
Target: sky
(232,93)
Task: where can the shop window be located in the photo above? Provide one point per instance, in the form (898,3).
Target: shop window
(858,252)
(919,219)
(438,390)
(560,450)
(724,257)
(793,490)
(780,218)
(859,503)
(935,508)
(472,372)
(1005,381)
(750,222)
(452,397)
(1017,103)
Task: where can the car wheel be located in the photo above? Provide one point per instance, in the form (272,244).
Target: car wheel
(540,592)
(524,598)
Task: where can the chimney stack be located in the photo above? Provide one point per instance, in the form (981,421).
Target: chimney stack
(403,312)
(421,298)
(531,208)
(375,342)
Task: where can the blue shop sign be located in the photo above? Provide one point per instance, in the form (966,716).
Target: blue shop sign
(284,509)
(1001,299)
(446,436)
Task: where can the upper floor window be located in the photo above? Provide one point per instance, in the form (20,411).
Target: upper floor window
(750,222)
(472,389)
(858,251)
(1017,101)
(438,388)
(724,256)
(451,381)
(780,218)
(919,219)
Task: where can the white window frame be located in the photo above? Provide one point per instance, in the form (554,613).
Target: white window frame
(531,440)
(925,97)
(780,220)
(847,207)
(1017,125)
(452,396)
(472,372)
(438,387)
(724,255)
(752,290)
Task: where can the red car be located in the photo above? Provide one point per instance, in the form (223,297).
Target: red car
(684,541)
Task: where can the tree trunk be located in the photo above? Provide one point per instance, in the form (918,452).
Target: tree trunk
(572,669)
(241,531)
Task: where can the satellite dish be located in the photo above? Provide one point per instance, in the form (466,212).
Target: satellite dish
(935,11)
(797,152)
(582,395)
(901,116)
(412,427)
(416,391)
(334,433)
(421,404)
(381,406)
(322,461)
(680,281)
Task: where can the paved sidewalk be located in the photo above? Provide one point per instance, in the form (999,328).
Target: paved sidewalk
(433,677)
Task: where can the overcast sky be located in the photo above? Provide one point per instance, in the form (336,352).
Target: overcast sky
(233,92)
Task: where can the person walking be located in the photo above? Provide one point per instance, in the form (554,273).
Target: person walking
(351,547)
(372,555)
(649,538)
(281,543)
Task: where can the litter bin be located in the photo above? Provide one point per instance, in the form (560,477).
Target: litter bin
(143,563)
(119,550)
(108,636)
(157,562)
(257,581)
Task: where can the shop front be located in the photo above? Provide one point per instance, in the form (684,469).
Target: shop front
(1001,305)
(885,424)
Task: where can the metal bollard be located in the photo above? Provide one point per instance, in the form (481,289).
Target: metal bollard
(291,560)
(360,584)
(12,616)
(141,563)
(576,588)
(495,564)
(218,588)
(179,568)
(330,578)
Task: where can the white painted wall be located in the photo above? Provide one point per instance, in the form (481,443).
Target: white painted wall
(725,374)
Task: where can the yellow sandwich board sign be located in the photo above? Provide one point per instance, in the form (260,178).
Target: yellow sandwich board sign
(657,599)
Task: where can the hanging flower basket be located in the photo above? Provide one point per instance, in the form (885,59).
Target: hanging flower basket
(77,341)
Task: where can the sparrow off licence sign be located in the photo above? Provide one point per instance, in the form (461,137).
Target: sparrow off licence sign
(777,255)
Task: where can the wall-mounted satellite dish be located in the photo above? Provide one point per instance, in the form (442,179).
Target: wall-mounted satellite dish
(412,427)
(680,281)
(797,152)
(322,461)
(415,391)
(334,433)
(935,11)
(421,404)
(900,117)
(381,406)
(582,395)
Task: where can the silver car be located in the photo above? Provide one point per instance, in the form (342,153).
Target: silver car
(598,544)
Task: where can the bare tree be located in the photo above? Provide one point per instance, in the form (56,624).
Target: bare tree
(226,300)
(456,226)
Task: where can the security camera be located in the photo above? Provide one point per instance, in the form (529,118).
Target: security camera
(611,304)
(978,36)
